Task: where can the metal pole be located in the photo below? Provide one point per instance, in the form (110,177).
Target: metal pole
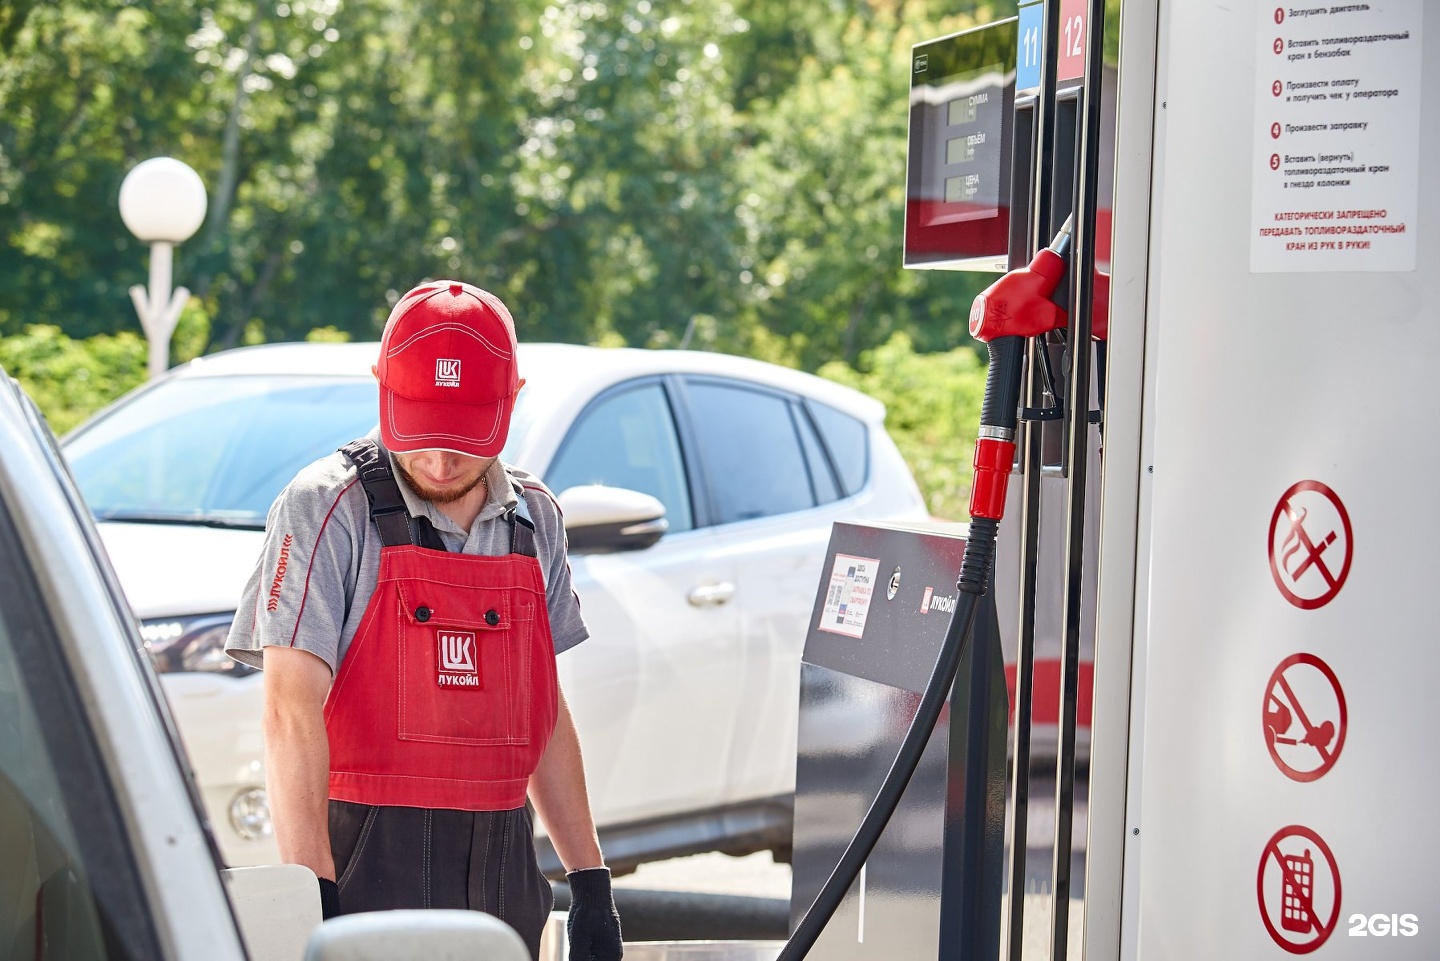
(1024,664)
(1082,285)
(159,307)
(1045,130)
(162,266)
(1030,503)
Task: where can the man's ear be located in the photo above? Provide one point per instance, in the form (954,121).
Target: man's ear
(375,371)
(517,386)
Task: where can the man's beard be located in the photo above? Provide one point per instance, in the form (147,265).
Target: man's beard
(434,495)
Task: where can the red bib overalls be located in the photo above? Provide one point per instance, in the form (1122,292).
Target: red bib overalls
(447,695)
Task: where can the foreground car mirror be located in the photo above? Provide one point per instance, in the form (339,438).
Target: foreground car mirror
(424,935)
(602,520)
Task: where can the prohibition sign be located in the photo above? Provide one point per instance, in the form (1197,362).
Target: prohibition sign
(1311,545)
(1298,886)
(1304,717)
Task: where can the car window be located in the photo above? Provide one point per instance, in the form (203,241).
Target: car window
(822,478)
(215,449)
(750,449)
(849,444)
(68,887)
(627,439)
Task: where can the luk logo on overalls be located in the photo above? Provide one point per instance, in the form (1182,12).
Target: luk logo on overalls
(457,659)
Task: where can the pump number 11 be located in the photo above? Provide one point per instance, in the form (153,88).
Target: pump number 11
(1027,68)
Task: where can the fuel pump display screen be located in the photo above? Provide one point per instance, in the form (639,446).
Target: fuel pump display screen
(962,94)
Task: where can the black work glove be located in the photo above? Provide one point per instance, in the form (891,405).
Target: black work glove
(594,924)
(329,899)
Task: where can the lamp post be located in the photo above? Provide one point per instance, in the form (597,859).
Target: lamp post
(162,202)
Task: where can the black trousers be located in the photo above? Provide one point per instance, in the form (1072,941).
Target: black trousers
(396,857)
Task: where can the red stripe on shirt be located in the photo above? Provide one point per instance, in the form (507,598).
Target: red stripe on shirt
(305,595)
(561,514)
(542,490)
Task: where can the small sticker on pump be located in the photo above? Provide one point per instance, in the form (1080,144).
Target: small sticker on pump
(847,599)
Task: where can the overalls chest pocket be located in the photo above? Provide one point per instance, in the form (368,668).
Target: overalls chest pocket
(466,659)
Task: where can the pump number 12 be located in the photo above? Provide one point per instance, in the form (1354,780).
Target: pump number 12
(1072,40)
(1074,29)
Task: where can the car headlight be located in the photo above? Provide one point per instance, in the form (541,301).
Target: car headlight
(191,644)
(250,814)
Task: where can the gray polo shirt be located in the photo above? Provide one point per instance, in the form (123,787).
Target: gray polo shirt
(321,560)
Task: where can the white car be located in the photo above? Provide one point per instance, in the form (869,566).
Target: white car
(686,693)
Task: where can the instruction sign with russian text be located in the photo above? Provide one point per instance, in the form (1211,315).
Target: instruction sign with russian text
(1337,137)
(847,599)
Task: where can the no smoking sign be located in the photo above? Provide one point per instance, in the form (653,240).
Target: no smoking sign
(1311,545)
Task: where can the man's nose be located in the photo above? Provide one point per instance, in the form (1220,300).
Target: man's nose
(444,464)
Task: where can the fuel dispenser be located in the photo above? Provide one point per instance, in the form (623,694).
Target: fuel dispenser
(1203,472)
(1002,153)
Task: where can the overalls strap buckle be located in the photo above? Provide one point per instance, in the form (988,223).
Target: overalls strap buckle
(522,529)
(387,505)
(388,511)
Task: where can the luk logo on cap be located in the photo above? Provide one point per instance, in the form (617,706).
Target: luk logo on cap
(457,659)
(447,373)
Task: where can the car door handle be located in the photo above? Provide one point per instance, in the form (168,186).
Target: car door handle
(711,595)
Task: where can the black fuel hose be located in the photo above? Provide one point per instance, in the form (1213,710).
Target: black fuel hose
(998,414)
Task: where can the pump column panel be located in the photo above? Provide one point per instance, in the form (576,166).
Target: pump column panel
(931,889)
(1287,761)
(1043,520)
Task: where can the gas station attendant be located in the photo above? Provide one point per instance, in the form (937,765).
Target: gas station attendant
(407,610)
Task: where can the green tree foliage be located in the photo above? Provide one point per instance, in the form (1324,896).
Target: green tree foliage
(71,379)
(722,174)
(78,89)
(821,203)
(719,174)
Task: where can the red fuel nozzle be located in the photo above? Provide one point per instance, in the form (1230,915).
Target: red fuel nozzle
(1015,307)
(1019,304)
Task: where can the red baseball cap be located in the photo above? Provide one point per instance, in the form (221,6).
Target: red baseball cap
(447,371)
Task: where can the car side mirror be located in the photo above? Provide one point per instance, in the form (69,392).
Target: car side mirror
(603,520)
(423,935)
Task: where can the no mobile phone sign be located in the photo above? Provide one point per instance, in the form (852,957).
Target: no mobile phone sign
(1299,889)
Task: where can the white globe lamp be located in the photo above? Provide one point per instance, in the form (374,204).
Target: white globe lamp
(162,202)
